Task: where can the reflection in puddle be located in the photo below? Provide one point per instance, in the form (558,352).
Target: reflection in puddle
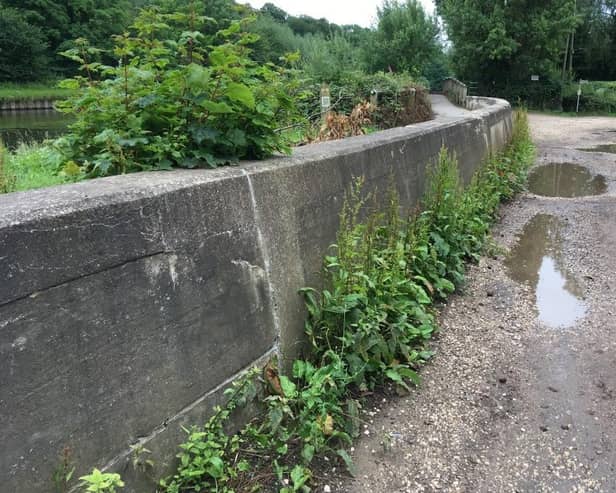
(565,180)
(611,148)
(536,259)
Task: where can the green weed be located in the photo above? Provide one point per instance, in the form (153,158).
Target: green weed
(64,471)
(101,482)
(32,166)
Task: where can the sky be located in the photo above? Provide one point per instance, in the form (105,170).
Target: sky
(362,12)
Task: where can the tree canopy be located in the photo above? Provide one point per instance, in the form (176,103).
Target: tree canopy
(405,38)
(503,42)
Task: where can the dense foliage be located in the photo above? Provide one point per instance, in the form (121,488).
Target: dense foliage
(594,43)
(501,44)
(405,38)
(48,27)
(596,97)
(175,97)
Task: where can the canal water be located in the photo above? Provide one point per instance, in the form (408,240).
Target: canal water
(30,126)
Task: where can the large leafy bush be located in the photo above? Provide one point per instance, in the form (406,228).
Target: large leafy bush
(176,97)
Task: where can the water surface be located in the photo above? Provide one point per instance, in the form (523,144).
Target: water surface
(537,260)
(30,126)
(565,180)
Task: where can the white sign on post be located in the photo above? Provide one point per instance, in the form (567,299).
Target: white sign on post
(534,78)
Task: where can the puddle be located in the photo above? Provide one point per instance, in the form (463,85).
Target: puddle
(611,148)
(565,180)
(537,260)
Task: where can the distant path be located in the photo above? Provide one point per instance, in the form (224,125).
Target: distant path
(444,108)
(509,404)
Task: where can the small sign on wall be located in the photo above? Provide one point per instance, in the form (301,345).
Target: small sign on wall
(534,78)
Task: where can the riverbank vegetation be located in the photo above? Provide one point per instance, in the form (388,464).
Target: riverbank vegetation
(32,166)
(32,91)
(369,327)
(181,89)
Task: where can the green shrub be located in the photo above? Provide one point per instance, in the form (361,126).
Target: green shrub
(175,98)
(597,97)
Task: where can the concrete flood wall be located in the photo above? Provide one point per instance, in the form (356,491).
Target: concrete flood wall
(27,104)
(456,91)
(128,303)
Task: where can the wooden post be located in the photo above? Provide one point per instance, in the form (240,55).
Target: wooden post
(326,101)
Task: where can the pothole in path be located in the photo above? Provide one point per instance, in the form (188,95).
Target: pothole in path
(565,180)
(610,148)
(537,260)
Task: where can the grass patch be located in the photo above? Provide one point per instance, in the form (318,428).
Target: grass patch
(32,166)
(32,91)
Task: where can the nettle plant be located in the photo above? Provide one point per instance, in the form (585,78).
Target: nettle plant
(175,98)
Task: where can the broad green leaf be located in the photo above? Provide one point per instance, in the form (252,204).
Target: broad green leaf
(348,461)
(308,453)
(216,108)
(288,387)
(240,93)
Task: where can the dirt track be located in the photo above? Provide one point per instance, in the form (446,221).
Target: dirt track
(511,404)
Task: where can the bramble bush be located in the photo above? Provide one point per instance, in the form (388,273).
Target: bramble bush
(176,98)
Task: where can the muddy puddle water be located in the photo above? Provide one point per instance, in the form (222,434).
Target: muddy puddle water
(537,260)
(565,180)
(610,148)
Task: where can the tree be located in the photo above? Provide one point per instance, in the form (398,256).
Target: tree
(61,21)
(274,12)
(23,48)
(406,38)
(501,43)
(595,40)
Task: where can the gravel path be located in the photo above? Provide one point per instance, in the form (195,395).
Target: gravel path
(510,404)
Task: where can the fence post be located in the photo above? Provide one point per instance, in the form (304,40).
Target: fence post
(326,101)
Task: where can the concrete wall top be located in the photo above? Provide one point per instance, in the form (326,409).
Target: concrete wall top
(128,303)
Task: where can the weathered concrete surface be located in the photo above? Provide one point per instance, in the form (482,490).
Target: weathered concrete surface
(510,404)
(128,303)
(27,104)
(456,91)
